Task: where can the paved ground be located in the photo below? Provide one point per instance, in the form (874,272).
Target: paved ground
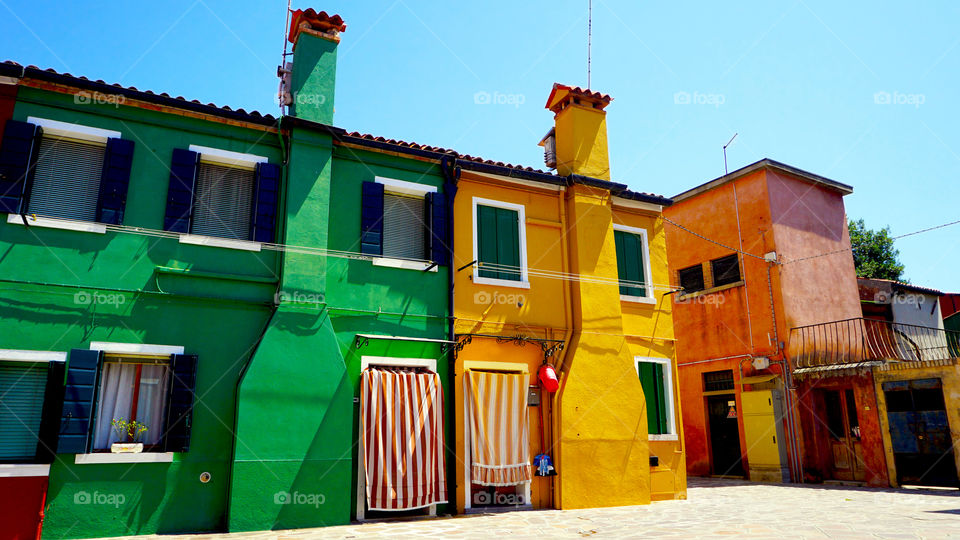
(715,508)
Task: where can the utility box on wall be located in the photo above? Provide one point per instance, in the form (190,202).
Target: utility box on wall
(763,430)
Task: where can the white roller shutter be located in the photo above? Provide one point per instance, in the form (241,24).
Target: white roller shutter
(66,184)
(222,203)
(403,226)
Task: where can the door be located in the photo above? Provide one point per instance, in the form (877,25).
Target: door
(724,435)
(920,433)
(843,427)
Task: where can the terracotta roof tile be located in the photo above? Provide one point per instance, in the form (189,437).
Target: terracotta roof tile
(317,21)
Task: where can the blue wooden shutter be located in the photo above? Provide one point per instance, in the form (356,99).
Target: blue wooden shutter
(439,228)
(17,157)
(78,395)
(114,181)
(371,219)
(22,389)
(264,213)
(180,405)
(183,181)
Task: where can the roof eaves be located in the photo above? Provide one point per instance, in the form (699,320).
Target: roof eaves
(844,189)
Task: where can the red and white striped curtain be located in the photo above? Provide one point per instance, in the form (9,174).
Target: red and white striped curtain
(401,423)
(499,428)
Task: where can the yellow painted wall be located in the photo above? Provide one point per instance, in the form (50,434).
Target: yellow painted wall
(948,371)
(581,134)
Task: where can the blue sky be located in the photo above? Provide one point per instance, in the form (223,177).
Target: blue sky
(863,93)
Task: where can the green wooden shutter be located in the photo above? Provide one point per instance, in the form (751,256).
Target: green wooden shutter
(630,263)
(508,244)
(651,379)
(487,240)
(22,387)
(660,401)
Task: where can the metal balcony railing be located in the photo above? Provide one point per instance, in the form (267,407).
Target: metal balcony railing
(852,341)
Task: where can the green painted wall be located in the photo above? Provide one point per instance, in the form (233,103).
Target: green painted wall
(48,278)
(314,78)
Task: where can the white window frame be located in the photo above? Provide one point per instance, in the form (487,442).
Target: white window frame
(110,347)
(647,273)
(671,406)
(56,128)
(402,187)
(21,355)
(385,361)
(524,282)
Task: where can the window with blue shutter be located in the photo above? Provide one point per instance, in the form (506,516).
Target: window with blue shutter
(371,218)
(631,263)
(17,153)
(114,181)
(498,243)
(180,407)
(265,201)
(439,230)
(22,390)
(183,178)
(79,391)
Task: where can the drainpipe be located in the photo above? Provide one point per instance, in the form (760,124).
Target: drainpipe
(451,176)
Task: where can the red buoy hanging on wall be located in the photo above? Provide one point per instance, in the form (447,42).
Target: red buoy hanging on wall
(548,378)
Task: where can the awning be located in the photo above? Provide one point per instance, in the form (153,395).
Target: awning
(836,370)
(401,423)
(499,427)
(757,379)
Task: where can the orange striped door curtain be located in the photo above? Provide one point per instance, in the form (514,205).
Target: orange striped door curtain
(499,428)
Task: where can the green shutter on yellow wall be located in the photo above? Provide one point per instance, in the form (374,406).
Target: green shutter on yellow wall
(630,263)
(498,243)
(651,379)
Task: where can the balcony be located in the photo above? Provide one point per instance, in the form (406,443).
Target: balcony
(858,341)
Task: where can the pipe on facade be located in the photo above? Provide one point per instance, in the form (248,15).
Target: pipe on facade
(451,176)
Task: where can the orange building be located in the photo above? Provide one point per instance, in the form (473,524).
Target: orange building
(743,290)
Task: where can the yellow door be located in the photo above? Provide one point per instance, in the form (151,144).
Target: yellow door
(762,431)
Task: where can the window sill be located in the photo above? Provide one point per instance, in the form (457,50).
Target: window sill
(664,437)
(711,290)
(108,457)
(477,280)
(199,240)
(404,264)
(53,223)
(24,470)
(638,299)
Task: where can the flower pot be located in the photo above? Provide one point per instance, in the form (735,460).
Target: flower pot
(126,448)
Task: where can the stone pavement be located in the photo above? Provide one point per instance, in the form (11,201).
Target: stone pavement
(714,508)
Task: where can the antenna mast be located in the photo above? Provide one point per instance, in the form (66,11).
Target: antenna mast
(589,37)
(725,152)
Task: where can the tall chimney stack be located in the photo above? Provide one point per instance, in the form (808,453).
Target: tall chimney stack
(315,37)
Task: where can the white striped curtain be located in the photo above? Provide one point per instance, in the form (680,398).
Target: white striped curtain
(499,428)
(401,423)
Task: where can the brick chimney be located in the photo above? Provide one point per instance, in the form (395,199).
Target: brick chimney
(580,131)
(309,91)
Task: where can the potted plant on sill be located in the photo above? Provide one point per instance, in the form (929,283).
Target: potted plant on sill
(130,430)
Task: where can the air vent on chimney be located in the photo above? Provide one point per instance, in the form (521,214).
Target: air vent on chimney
(549,144)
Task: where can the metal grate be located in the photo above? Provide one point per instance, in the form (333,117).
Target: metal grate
(222,203)
(403,226)
(66,183)
(714,381)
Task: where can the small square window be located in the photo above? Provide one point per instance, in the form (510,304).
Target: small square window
(66,181)
(403,226)
(725,270)
(223,201)
(714,381)
(691,279)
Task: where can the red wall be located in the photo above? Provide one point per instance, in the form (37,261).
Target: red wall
(8,94)
(949,304)
(21,502)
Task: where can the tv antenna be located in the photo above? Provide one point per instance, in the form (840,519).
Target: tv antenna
(589,37)
(725,152)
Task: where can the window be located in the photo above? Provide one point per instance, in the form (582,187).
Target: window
(499,243)
(691,279)
(152,384)
(656,380)
(715,381)
(632,257)
(222,202)
(132,390)
(64,171)
(25,412)
(725,270)
(403,224)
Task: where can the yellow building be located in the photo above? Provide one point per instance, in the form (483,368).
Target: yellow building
(567,269)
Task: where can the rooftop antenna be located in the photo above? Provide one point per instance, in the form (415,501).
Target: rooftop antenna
(589,37)
(283,58)
(725,153)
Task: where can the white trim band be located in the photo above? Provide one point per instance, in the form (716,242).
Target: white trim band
(226,157)
(19,355)
(135,348)
(74,131)
(109,457)
(53,223)
(404,188)
(404,264)
(213,241)
(22,470)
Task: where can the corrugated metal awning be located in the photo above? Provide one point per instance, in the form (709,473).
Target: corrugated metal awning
(836,370)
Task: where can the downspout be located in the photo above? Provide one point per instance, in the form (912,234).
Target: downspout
(451,176)
(562,357)
(279,233)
